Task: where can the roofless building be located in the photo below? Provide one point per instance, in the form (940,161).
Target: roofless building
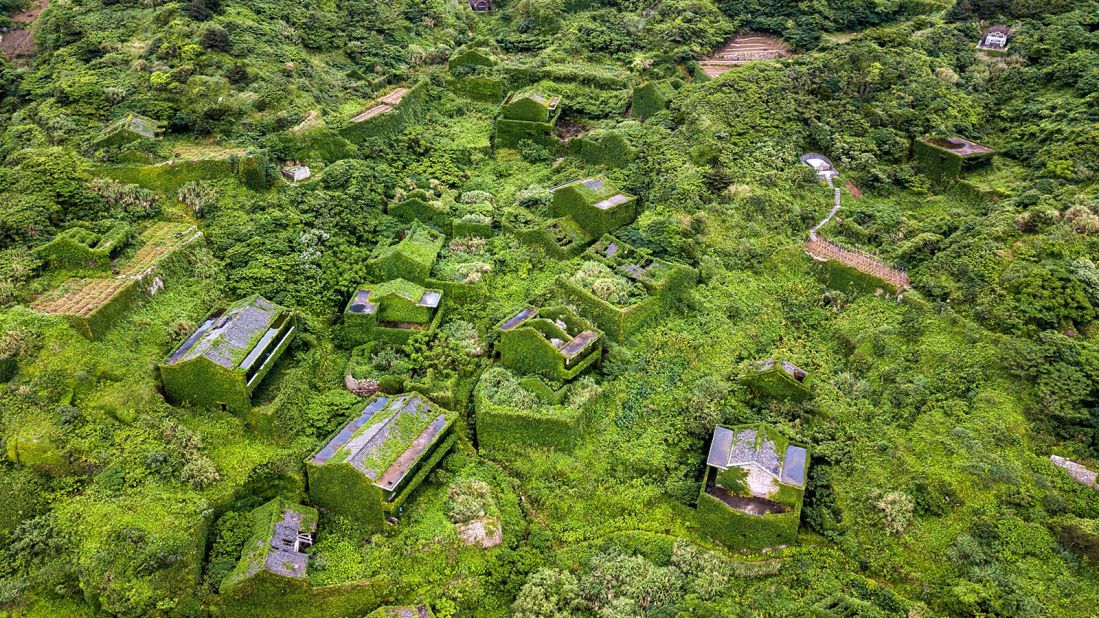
(226,358)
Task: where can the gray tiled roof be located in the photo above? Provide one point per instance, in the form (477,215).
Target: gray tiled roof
(612,201)
(373,433)
(228,338)
(519,318)
(734,448)
(361,303)
(284,556)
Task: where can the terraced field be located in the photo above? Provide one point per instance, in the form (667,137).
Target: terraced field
(81,297)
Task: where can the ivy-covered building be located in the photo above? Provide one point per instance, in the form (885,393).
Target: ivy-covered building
(391,312)
(424,204)
(661,284)
(79,247)
(368,469)
(273,560)
(753,489)
(652,97)
(226,358)
(778,379)
(553,342)
(595,204)
(409,258)
(561,237)
(944,159)
(526,411)
(527,116)
(603,147)
(129,128)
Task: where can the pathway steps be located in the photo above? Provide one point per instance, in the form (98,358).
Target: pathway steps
(824,250)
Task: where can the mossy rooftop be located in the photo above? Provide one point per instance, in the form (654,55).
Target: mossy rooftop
(387,439)
(546,309)
(235,338)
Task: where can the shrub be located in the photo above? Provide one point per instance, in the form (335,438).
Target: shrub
(896,510)
(608,285)
(199,195)
(131,199)
(469,499)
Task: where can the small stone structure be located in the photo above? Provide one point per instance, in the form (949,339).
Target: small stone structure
(821,165)
(483,531)
(780,379)
(480,6)
(296,173)
(1078,472)
(995,38)
(945,159)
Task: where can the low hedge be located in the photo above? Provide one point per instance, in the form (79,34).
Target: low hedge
(483,88)
(167,178)
(509,133)
(466,229)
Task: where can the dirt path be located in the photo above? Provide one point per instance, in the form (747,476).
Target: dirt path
(18,42)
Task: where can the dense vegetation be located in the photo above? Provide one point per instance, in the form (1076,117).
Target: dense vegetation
(932,416)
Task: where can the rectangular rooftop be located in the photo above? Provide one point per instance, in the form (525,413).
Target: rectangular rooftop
(235,338)
(387,439)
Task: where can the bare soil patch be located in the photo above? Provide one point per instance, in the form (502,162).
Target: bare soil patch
(751,506)
(743,48)
(19,42)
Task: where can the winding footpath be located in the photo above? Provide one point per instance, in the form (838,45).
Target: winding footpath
(824,250)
